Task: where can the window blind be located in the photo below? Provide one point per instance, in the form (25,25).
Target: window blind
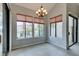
(38,20)
(20,17)
(56,19)
(24,18)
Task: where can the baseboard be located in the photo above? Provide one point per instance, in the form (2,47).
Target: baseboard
(18,47)
(56,45)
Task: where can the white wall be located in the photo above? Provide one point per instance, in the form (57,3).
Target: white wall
(25,42)
(59,8)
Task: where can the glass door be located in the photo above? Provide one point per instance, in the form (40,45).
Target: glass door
(72,30)
(1,21)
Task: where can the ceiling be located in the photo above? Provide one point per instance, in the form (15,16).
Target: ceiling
(35,6)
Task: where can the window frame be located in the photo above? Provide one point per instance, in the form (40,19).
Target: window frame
(55,23)
(39,29)
(25,21)
(33,21)
(23,28)
(56,26)
(51,28)
(26,30)
(43,29)
(34,30)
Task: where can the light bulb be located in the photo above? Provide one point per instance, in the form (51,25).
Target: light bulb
(36,12)
(44,10)
(39,10)
(46,13)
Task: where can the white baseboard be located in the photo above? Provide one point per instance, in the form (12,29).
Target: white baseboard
(17,47)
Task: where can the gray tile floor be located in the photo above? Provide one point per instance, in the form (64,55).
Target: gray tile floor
(45,50)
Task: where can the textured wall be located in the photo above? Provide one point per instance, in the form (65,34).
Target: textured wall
(59,8)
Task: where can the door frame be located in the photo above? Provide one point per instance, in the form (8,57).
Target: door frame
(6,29)
(73,30)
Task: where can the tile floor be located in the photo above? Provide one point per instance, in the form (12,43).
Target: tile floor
(45,50)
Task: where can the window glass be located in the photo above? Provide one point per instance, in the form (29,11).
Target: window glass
(41,30)
(28,30)
(24,27)
(20,30)
(59,29)
(36,30)
(53,29)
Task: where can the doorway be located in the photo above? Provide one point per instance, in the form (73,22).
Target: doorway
(6,29)
(72,30)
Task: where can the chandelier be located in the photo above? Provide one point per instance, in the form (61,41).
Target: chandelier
(41,12)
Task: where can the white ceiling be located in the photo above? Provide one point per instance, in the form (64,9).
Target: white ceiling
(35,6)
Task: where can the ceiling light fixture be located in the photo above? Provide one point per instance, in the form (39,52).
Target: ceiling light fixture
(41,12)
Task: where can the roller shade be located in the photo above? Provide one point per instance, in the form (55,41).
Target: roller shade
(20,17)
(56,19)
(29,19)
(38,20)
(24,18)
(52,20)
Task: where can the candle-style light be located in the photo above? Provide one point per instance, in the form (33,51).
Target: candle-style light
(41,12)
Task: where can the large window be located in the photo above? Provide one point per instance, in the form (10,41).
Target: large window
(24,26)
(52,25)
(41,27)
(20,30)
(59,29)
(28,30)
(38,30)
(56,26)
(38,27)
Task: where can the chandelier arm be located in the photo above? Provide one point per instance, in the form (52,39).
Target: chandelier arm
(41,12)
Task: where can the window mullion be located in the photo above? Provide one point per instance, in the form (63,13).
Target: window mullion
(39,29)
(55,29)
(25,28)
(50,29)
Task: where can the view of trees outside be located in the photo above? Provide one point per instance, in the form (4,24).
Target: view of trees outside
(36,30)
(41,30)
(28,30)
(20,30)
(59,29)
(24,30)
(53,29)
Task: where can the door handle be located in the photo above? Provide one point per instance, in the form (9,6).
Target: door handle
(68,33)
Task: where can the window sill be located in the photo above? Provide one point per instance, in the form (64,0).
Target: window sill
(38,37)
(24,38)
(29,38)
